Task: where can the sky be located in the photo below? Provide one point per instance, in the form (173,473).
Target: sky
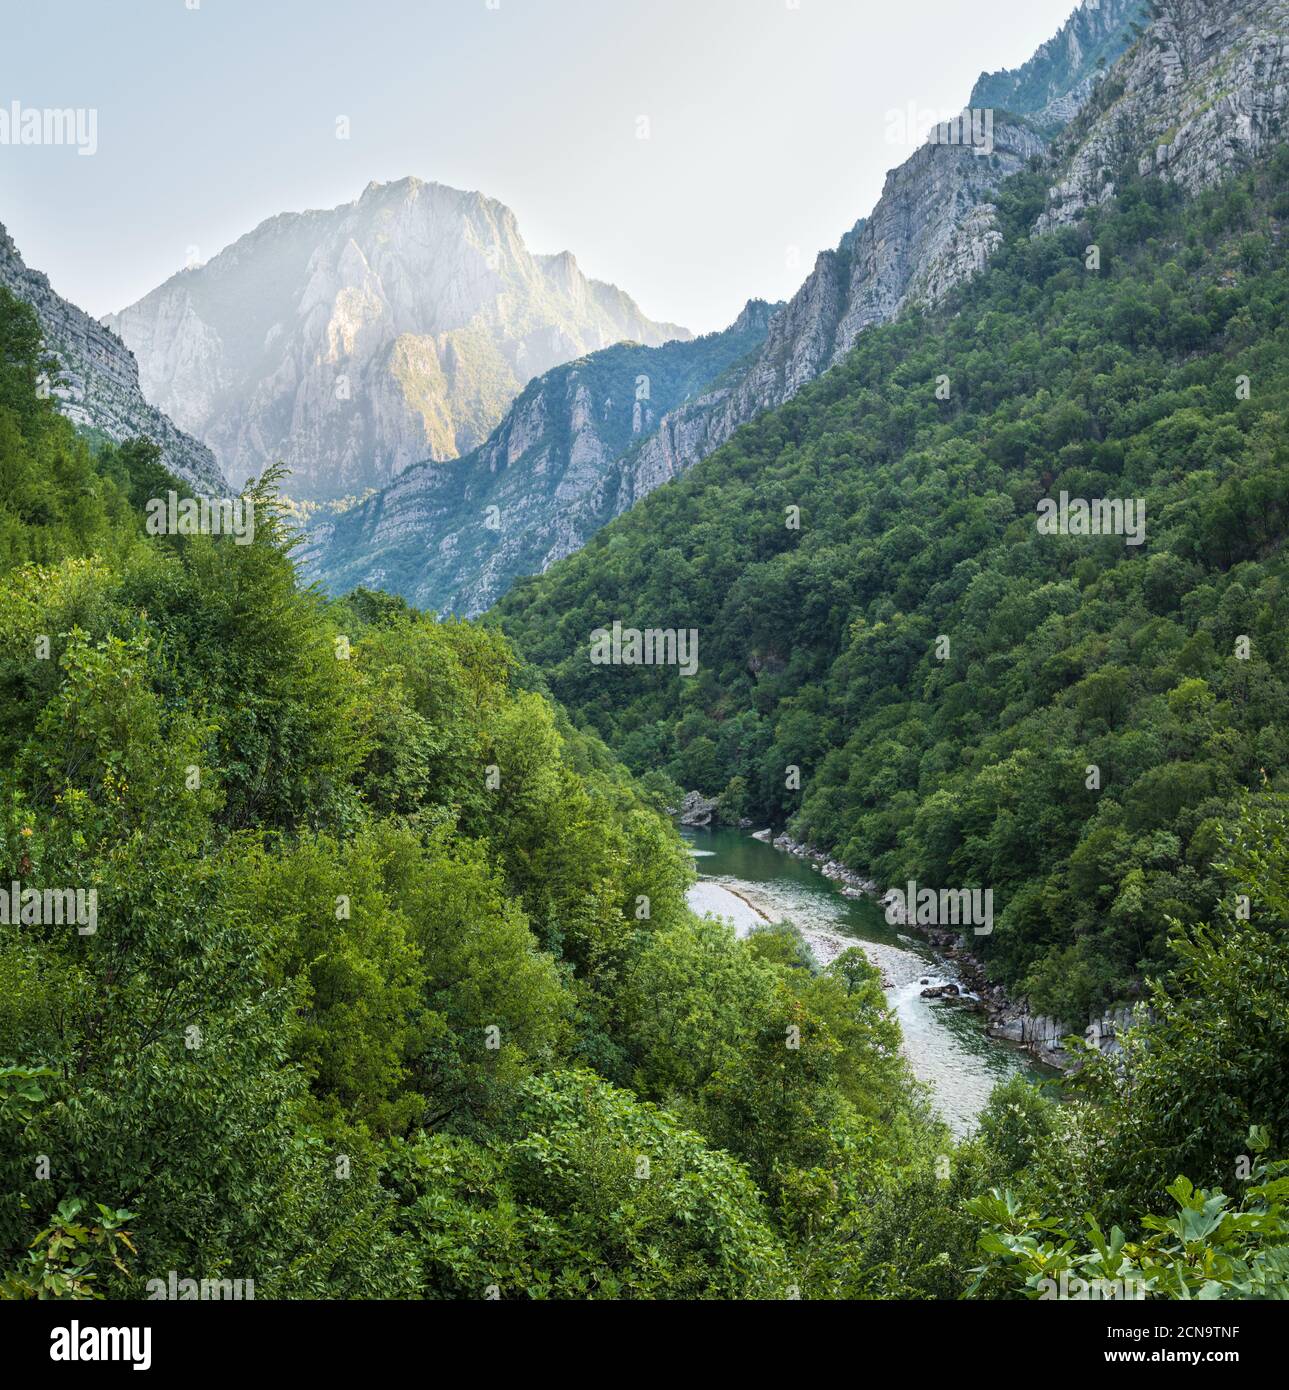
(697,153)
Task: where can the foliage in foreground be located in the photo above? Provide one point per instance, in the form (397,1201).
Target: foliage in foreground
(1208,1248)
(392,989)
(382,966)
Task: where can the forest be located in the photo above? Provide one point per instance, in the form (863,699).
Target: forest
(393,991)
(902,668)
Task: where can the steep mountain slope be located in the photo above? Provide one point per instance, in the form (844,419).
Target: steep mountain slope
(1203,95)
(934,226)
(915,677)
(99,378)
(454,536)
(352,342)
(1052,87)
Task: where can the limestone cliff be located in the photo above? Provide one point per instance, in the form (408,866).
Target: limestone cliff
(353,342)
(98,387)
(453,536)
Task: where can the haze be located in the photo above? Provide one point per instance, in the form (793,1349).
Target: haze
(767,125)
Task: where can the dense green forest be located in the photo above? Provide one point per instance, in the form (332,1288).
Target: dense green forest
(391,989)
(898,667)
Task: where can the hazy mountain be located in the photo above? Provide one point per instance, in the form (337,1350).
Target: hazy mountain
(934,225)
(1058,79)
(355,341)
(99,378)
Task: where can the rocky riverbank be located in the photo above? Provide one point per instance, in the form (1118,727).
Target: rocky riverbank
(696,810)
(1042,1037)
(853,885)
(702,812)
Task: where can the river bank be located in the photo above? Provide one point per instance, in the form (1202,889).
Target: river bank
(751,883)
(1041,1036)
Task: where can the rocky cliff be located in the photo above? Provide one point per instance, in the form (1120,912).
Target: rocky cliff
(1053,86)
(934,226)
(1201,95)
(453,536)
(353,342)
(1197,93)
(98,385)
(1194,95)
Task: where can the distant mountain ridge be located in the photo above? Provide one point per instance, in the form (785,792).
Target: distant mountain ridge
(355,341)
(100,378)
(934,226)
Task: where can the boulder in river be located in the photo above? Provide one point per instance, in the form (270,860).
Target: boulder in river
(697,809)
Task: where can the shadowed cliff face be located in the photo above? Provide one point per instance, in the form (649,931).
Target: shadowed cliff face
(99,377)
(353,342)
(454,536)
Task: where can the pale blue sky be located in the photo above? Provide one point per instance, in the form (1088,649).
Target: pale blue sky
(768,125)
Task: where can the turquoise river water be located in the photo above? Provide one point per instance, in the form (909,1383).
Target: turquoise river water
(748,882)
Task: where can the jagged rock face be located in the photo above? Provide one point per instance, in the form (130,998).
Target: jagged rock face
(1200,96)
(354,342)
(1056,82)
(453,536)
(697,809)
(936,225)
(933,226)
(99,378)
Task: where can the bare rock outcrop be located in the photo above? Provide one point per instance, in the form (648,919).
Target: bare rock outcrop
(98,386)
(356,341)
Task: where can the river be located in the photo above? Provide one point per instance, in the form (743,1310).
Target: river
(750,882)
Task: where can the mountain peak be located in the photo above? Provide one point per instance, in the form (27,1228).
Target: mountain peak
(755,314)
(409,183)
(354,341)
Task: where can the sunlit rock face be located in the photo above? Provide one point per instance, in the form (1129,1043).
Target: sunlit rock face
(352,342)
(1191,92)
(1202,95)
(453,536)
